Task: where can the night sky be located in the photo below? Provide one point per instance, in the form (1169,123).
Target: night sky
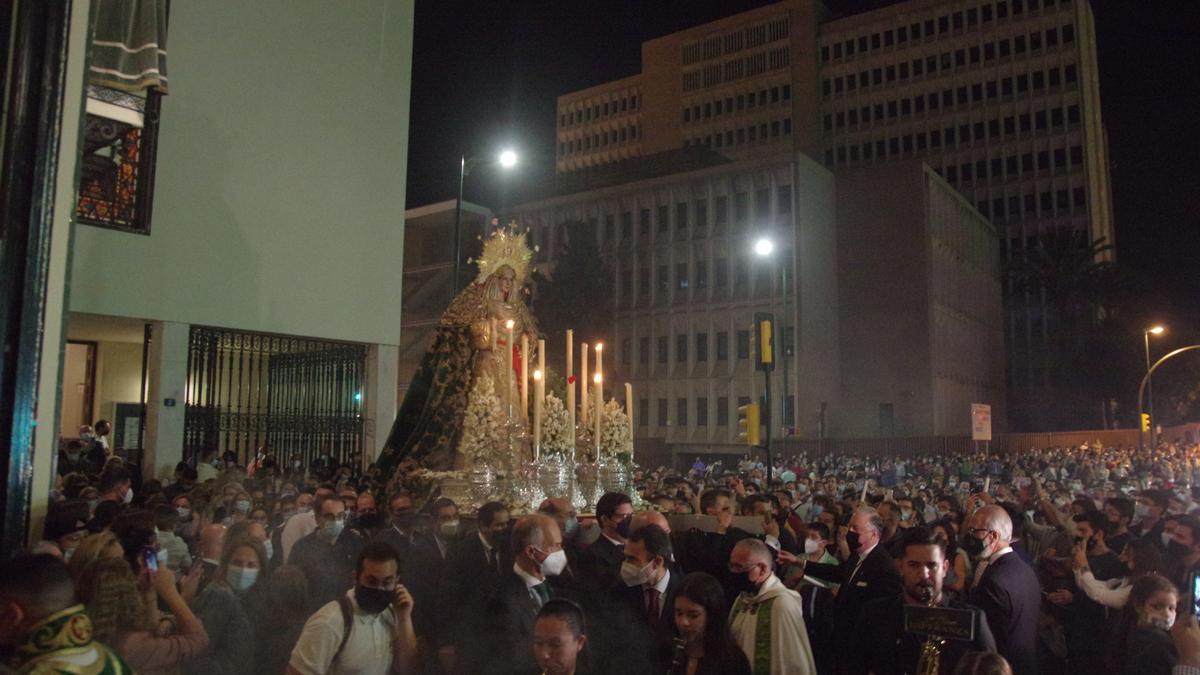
(486,74)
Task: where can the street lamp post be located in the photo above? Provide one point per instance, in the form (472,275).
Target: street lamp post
(1153,330)
(764,247)
(506,159)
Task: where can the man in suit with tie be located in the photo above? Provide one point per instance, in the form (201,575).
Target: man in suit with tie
(868,574)
(471,573)
(602,560)
(646,613)
(1005,588)
(512,609)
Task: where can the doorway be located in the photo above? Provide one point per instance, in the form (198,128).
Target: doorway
(78,388)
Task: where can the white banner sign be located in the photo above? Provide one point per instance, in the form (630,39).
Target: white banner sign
(981,422)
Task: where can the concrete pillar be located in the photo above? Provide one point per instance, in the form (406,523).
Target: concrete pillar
(379,397)
(165,402)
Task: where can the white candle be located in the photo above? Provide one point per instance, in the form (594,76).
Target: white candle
(583,382)
(599,403)
(571,386)
(541,363)
(525,365)
(510,376)
(538,385)
(629,411)
(600,366)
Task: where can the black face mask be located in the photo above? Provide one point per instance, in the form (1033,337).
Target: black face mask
(1177,550)
(852,541)
(372,600)
(740,583)
(972,545)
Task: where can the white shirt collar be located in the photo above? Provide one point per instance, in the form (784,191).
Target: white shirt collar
(618,544)
(529,579)
(487,547)
(997,554)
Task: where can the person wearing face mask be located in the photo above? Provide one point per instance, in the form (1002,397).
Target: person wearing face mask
(116,486)
(1084,621)
(563,513)
(223,609)
(777,644)
(303,523)
(868,574)
(637,628)
(1181,561)
(368,630)
(1149,511)
(1142,645)
(328,555)
(504,629)
(601,561)
(472,571)
(1005,587)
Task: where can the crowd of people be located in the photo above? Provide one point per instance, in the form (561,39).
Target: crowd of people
(1059,560)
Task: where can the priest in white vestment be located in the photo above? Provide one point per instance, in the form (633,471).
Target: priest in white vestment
(767,619)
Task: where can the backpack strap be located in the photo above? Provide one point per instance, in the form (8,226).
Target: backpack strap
(348,621)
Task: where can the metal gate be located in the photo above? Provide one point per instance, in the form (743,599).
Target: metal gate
(297,396)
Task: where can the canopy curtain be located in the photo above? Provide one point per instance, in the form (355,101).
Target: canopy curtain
(129,45)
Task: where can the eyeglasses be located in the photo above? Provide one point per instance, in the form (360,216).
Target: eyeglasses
(975,530)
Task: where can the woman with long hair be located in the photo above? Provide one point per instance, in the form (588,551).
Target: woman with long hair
(705,646)
(92,548)
(223,609)
(1140,556)
(1142,645)
(961,568)
(123,617)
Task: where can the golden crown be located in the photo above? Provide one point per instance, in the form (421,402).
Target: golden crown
(505,246)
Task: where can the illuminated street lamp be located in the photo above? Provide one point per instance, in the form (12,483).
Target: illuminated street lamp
(507,159)
(764,247)
(1153,330)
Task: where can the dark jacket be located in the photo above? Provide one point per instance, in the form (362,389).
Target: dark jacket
(886,649)
(600,564)
(627,632)
(465,582)
(876,578)
(1010,595)
(328,568)
(504,643)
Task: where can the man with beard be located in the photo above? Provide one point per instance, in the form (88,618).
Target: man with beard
(367,630)
(884,648)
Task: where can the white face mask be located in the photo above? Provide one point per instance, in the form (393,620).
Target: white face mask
(241,578)
(128,495)
(270,548)
(633,575)
(554,563)
(811,546)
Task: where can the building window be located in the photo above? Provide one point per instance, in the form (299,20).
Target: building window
(701,411)
(722,346)
(743,345)
(721,273)
(644,412)
(741,207)
(662,412)
(701,274)
(681,412)
(626,348)
(681,348)
(664,278)
(701,347)
(681,276)
(663,346)
(116,170)
(644,351)
(722,411)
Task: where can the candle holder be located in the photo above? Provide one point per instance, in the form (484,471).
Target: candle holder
(554,476)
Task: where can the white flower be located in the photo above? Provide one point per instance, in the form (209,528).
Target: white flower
(614,430)
(482,424)
(556,437)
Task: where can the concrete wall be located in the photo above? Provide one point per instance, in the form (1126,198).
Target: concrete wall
(281,175)
(118,376)
(883,283)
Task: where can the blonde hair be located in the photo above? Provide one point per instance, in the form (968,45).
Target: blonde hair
(90,550)
(110,591)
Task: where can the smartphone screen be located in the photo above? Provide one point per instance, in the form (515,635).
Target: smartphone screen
(151,559)
(1196,595)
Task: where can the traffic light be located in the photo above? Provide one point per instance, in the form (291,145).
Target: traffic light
(764,341)
(1145,421)
(750,423)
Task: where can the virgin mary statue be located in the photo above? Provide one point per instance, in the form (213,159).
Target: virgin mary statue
(471,341)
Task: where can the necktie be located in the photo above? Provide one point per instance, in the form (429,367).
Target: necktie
(652,609)
(542,591)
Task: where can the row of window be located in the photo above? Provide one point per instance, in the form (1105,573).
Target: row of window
(599,140)
(731,71)
(754,133)
(598,111)
(739,103)
(695,214)
(1045,204)
(948,99)
(735,41)
(930,65)
(930,28)
(763,284)
(934,140)
(722,418)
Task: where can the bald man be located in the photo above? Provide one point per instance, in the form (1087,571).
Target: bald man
(779,645)
(1005,587)
(649,517)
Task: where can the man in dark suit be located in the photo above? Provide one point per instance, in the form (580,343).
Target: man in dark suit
(1005,587)
(506,631)
(644,618)
(472,570)
(868,574)
(600,563)
(709,552)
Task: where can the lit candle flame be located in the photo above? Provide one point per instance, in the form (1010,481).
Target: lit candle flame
(509,324)
(598,378)
(537,374)
(599,346)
